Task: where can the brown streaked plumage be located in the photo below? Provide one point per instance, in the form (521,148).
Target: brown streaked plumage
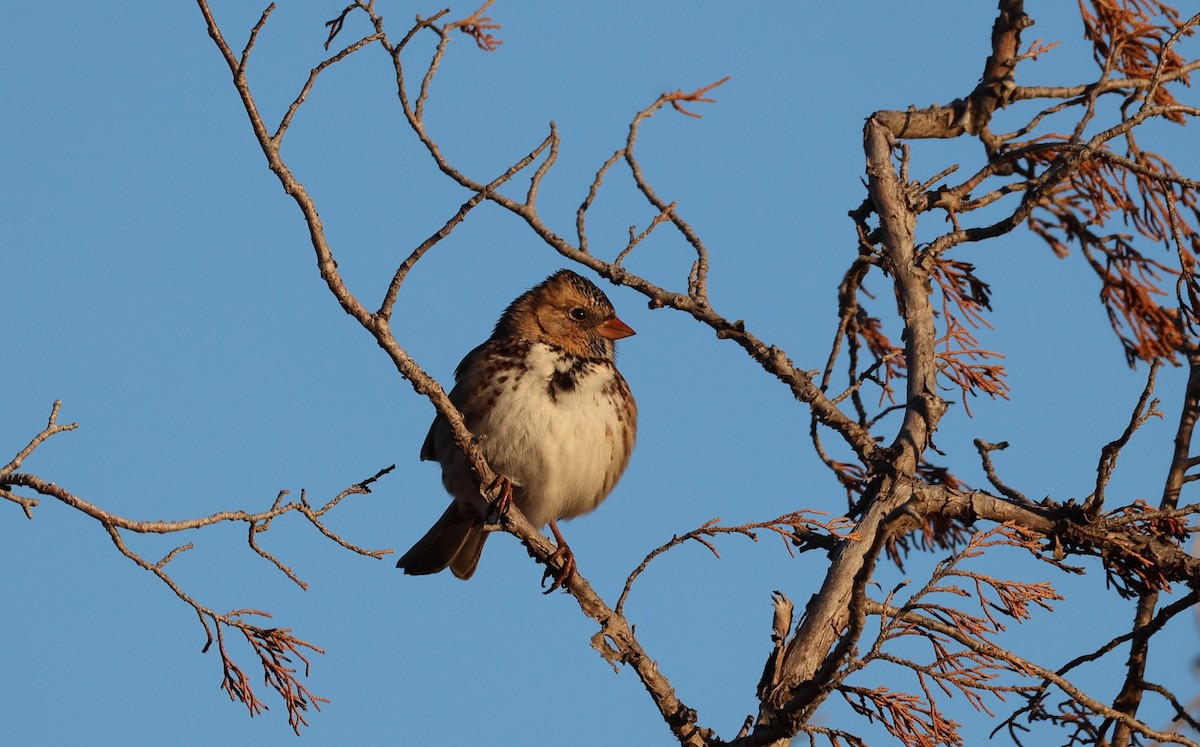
(552,415)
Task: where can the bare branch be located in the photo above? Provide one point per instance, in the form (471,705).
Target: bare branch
(985,450)
(795,527)
(1143,411)
(52,429)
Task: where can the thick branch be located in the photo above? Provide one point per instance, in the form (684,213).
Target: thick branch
(994,90)
(808,663)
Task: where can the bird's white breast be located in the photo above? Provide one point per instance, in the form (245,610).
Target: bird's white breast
(561,445)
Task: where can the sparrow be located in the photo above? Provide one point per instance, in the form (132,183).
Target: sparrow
(553,416)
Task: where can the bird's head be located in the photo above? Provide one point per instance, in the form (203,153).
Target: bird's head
(567,311)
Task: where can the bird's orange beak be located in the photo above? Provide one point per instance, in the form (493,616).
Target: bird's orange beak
(615,329)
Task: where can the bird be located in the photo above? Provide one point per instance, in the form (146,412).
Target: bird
(552,414)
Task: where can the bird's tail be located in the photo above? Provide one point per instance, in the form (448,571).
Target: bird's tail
(455,541)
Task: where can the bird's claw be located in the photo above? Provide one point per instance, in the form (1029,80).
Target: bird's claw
(564,576)
(503,501)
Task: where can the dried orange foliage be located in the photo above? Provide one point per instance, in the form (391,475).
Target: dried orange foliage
(1124,33)
(1131,569)
(1131,39)
(678,98)
(913,720)
(933,531)
(888,356)
(1013,599)
(478,27)
(851,475)
(963,657)
(1155,522)
(961,360)
(1132,284)
(274,648)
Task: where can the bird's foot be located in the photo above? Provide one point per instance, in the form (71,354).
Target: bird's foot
(503,501)
(565,574)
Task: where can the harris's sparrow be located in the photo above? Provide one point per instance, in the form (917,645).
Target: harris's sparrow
(552,414)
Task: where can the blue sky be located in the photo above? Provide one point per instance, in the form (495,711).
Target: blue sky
(161,285)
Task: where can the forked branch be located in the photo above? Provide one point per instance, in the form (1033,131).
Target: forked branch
(274,647)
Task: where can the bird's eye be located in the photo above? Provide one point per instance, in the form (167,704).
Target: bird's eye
(578,314)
